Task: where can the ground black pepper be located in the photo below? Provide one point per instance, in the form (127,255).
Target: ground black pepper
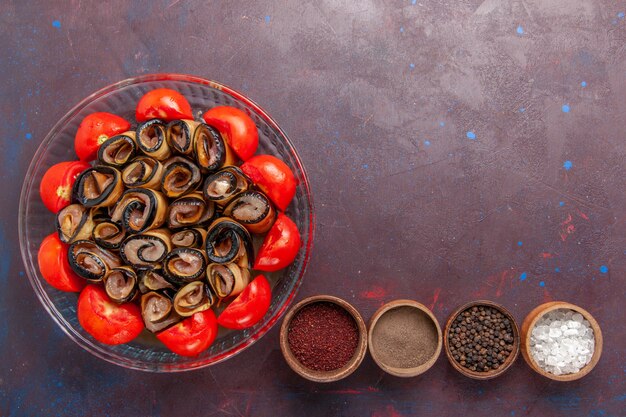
(481,338)
(323,336)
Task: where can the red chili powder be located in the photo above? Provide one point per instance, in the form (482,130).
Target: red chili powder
(323,336)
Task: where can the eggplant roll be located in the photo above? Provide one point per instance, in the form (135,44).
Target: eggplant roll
(146,250)
(183,265)
(180,135)
(140,209)
(190,210)
(151,139)
(118,150)
(108,234)
(189,238)
(212,151)
(74,222)
(253,210)
(100,186)
(153,280)
(90,261)
(227,241)
(227,280)
(193,298)
(180,176)
(143,172)
(157,311)
(225,184)
(120,284)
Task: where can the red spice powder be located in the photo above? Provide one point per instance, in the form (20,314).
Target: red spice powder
(323,336)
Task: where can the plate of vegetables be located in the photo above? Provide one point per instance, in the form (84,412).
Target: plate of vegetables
(166,223)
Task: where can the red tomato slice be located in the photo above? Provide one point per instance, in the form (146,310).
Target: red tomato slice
(273,177)
(164,104)
(56,184)
(54,266)
(94,130)
(249,307)
(237,127)
(280,246)
(191,336)
(106,321)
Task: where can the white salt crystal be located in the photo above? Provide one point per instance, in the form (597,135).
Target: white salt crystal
(562,342)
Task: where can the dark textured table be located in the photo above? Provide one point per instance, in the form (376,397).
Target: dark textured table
(456,149)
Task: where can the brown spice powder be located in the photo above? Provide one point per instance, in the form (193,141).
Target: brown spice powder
(404,337)
(323,336)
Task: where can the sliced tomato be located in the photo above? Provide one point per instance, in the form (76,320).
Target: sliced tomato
(237,127)
(57,182)
(54,266)
(191,336)
(280,246)
(164,104)
(94,130)
(273,177)
(106,321)
(249,307)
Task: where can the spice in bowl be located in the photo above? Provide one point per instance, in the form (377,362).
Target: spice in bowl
(562,342)
(323,336)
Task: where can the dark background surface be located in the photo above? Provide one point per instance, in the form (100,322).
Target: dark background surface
(378,97)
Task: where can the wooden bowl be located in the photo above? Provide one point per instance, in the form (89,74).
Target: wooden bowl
(393,370)
(529,323)
(507,363)
(324,376)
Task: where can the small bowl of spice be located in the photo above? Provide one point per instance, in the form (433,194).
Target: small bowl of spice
(561,341)
(481,339)
(323,338)
(404,338)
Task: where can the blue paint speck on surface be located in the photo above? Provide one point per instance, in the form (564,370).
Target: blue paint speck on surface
(561,203)
(442,124)
(520,30)
(56,23)
(401,29)
(411,65)
(21,273)
(520,243)
(413,2)
(365,166)
(471,135)
(522,109)
(268,18)
(523,276)
(565,108)
(620,15)
(542,284)
(583,83)
(426,143)
(604,269)
(568,165)
(557,269)
(29,136)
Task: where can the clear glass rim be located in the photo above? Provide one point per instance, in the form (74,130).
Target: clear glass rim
(29,262)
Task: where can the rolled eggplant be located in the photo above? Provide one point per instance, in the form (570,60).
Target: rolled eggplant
(190,210)
(180,176)
(183,265)
(108,234)
(225,184)
(90,261)
(227,280)
(227,241)
(140,209)
(180,136)
(253,210)
(189,238)
(146,250)
(151,139)
(120,284)
(193,298)
(143,172)
(100,186)
(153,280)
(74,222)
(118,150)
(157,311)
(212,151)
